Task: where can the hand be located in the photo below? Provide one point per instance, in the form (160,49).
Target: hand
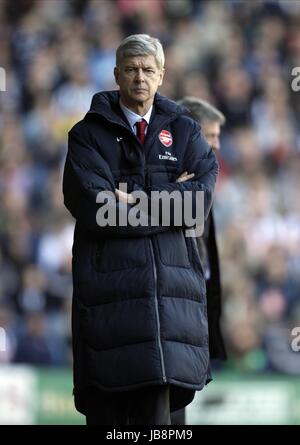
(124,197)
(185,176)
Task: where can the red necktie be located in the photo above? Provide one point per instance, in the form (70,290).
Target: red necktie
(141,127)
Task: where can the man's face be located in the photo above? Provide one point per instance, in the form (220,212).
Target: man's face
(138,78)
(211,131)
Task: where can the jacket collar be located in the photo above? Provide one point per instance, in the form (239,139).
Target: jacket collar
(106,104)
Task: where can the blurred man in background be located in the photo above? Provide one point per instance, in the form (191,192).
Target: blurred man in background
(210,120)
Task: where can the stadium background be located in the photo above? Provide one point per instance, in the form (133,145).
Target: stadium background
(239,55)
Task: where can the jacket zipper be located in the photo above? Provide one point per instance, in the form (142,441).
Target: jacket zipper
(157,313)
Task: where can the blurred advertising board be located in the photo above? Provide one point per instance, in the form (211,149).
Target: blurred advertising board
(236,399)
(31,396)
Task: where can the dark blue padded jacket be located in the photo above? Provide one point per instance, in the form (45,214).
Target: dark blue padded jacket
(139,306)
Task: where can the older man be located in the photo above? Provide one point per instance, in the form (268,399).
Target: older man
(140,334)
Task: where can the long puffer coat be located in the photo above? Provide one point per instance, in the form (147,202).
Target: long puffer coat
(139,307)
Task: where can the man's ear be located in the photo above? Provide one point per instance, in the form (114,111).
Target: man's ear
(116,74)
(162,73)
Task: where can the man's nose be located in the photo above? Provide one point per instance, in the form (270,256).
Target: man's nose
(216,143)
(140,75)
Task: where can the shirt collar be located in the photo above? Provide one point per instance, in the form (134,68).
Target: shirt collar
(133,118)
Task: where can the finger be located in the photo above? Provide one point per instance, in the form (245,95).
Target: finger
(186,177)
(181,179)
(182,175)
(120,195)
(131,199)
(190,176)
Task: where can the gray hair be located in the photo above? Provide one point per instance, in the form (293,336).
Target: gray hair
(201,111)
(141,45)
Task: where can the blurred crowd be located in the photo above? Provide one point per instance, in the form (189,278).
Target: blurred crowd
(236,54)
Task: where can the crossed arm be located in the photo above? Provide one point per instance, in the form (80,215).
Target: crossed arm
(86,174)
(129,198)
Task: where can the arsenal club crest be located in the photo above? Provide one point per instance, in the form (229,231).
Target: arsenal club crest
(165,138)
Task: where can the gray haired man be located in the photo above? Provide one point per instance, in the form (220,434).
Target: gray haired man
(139,325)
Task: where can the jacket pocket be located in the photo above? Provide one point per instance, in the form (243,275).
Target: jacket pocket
(172,248)
(119,254)
(194,255)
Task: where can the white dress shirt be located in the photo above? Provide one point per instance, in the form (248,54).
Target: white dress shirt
(133,118)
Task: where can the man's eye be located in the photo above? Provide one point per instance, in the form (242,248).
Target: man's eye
(149,71)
